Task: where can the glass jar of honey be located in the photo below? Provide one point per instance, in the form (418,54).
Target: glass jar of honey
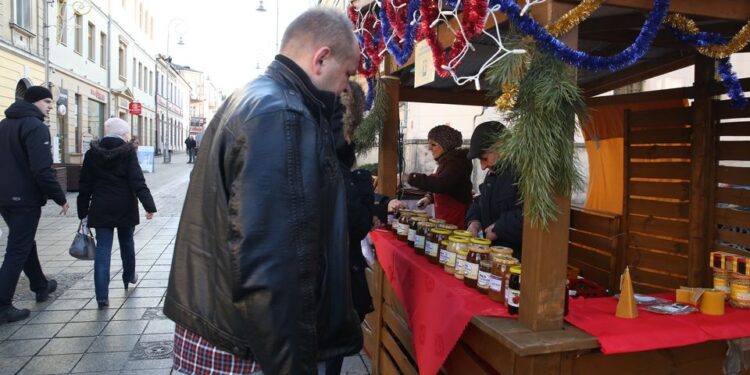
(448,227)
(479,250)
(423,229)
(501,251)
(448,258)
(432,243)
(499,277)
(437,221)
(463,233)
(413,225)
(513,296)
(483,281)
(402,229)
(461,254)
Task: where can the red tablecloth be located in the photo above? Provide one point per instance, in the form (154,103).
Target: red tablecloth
(438,305)
(596,316)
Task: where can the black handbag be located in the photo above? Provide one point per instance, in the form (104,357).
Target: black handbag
(83,246)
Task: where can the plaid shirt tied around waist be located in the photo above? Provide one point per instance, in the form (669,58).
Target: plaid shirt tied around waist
(194,355)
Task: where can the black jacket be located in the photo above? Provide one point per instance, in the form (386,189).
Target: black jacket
(260,266)
(111,183)
(26,159)
(499,204)
(190,143)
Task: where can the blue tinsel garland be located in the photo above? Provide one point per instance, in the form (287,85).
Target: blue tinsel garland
(581,59)
(402,53)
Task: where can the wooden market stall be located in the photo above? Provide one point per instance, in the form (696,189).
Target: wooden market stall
(680,184)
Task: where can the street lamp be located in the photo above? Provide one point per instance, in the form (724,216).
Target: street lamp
(166,134)
(261,9)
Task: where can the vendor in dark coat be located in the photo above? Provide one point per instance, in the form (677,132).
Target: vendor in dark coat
(111,184)
(449,188)
(498,209)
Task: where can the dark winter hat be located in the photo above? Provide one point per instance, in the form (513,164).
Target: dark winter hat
(446,137)
(483,137)
(36,93)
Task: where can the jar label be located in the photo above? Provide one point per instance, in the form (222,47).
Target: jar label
(496,283)
(443,256)
(513,297)
(460,266)
(740,293)
(721,284)
(419,242)
(410,235)
(471,270)
(431,249)
(451,261)
(403,229)
(484,280)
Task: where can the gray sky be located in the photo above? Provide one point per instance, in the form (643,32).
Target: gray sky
(227,39)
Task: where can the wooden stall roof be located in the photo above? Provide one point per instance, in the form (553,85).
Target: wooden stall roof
(608,31)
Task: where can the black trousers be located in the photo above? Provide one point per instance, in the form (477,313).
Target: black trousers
(20,254)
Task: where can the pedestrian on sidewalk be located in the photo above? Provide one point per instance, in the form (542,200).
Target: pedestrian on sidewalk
(190,146)
(259,274)
(27,182)
(111,184)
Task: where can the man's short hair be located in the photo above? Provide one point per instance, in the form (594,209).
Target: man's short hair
(116,127)
(319,27)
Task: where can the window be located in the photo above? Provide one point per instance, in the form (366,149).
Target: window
(62,23)
(96,119)
(103,50)
(145,79)
(123,55)
(151,83)
(22,13)
(78,42)
(135,73)
(92,42)
(140,15)
(140,76)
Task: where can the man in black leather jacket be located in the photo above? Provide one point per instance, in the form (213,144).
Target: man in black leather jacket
(259,273)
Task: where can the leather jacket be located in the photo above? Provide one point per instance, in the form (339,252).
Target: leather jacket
(260,266)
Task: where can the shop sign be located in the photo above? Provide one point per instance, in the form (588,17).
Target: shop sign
(99,94)
(424,68)
(162,102)
(123,103)
(135,108)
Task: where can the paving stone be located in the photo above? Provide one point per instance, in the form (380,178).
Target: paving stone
(68,304)
(6,330)
(159,326)
(126,327)
(94,315)
(21,348)
(82,329)
(114,304)
(53,364)
(153,313)
(141,302)
(78,294)
(130,314)
(154,275)
(37,331)
(114,344)
(154,283)
(12,365)
(67,345)
(148,292)
(162,371)
(53,317)
(101,362)
(152,350)
(149,364)
(161,268)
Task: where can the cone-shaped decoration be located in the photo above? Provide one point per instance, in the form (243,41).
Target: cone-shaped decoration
(626,307)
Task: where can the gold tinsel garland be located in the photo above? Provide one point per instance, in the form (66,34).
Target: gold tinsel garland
(563,25)
(736,44)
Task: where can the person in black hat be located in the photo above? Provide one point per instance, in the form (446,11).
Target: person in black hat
(497,211)
(28,181)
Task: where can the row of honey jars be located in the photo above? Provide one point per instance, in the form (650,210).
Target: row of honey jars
(401,227)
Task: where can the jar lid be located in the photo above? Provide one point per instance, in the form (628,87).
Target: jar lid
(485,263)
(420,212)
(501,250)
(425,224)
(458,239)
(481,241)
(449,227)
(504,259)
(463,233)
(440,231)
(515,270)
(444,243)
(418,218)
(437,221)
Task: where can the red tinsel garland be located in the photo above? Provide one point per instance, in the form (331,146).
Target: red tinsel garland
(397,18)
(373,53)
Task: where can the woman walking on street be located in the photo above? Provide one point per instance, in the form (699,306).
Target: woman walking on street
(111,180)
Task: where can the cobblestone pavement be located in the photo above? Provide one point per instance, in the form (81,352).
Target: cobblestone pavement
(68,334)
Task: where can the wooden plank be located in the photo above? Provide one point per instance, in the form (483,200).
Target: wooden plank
(669,190)
(740,197)
(401,330)
(400,359)
(657,226)
(637,72)
(676,171)
(641,276)
(540,364)
(741,129)
(725,111)
(460,362)
(735,150)
(386,365)
(496,355)
(651,289)
(660,152)
(733,175)
(588,256)
(600,276)
(595,222)
(648,242)
(672,135)
(640,97)
(512,334)
(664,118)
(734,237)
(660,209)
(605,245)
(729,249)
(391,299)
(665,262)
(735,218)
(377,319)
(388,149)
(456,96)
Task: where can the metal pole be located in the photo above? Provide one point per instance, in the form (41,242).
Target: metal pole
(165,136)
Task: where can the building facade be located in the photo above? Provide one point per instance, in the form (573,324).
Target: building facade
(205,99)
(173,106)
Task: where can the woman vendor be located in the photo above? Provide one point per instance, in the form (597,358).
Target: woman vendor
(449,188)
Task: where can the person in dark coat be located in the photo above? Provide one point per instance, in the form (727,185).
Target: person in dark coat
(28,181)
(190,145)
(449,188)
(111,184)
(498,210)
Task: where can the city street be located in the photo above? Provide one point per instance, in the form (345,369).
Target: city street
(67,334)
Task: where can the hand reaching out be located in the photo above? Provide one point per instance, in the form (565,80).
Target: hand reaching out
(64,208)
(149,215)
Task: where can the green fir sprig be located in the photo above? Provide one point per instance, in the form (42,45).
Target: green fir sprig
(368,133)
